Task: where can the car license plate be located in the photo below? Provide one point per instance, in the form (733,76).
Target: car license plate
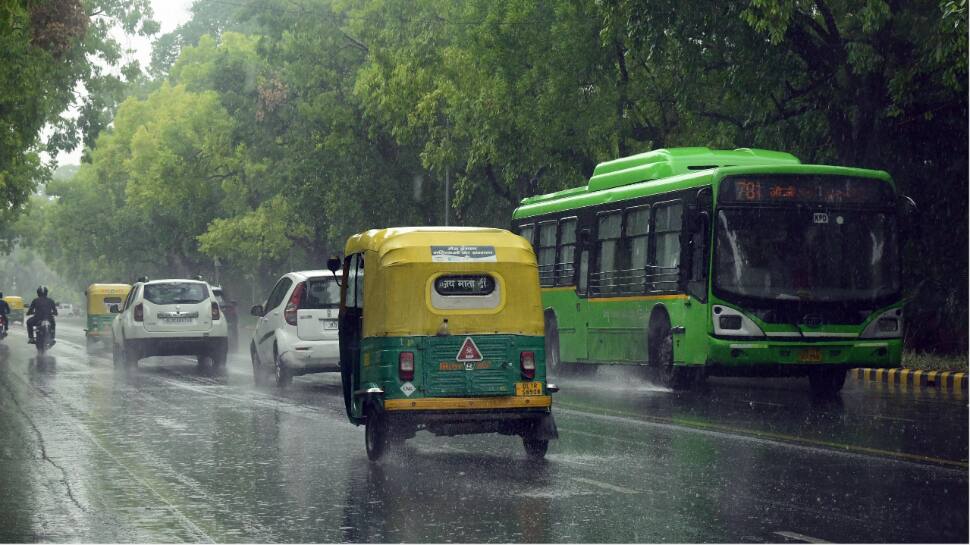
(329,324)
(178,320)
(810,355)
(528,388)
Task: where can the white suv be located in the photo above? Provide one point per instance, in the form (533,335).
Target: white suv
(169,318)
(297,329)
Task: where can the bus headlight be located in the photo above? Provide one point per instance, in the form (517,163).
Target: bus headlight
(732,323)
(887,325)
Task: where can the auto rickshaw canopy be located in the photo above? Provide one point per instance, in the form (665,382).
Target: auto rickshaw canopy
(15,302)
(401,265)
(96,294)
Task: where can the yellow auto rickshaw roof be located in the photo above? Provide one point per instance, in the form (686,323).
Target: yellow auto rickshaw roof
(108,289)
(413,244)
(9,298)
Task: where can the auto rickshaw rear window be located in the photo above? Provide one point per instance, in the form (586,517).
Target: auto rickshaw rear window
(464,285)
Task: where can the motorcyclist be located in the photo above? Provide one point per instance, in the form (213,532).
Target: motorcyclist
(42,308)
(4,311)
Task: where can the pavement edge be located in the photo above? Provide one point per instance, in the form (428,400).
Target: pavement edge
(950,380)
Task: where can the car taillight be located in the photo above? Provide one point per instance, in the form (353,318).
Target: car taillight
(215,311)
(139,313)
(527,362)
(289,313)
(405,366)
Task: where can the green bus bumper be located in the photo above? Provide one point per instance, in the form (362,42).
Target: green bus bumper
(769,355)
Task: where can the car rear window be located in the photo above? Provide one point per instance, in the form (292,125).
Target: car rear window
(173,293)
(321,293)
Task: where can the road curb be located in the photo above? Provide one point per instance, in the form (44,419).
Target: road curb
(949,380)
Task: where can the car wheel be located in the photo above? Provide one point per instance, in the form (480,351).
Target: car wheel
(375,435)
(129,356)
(259,375)
(283,376)
(219,357)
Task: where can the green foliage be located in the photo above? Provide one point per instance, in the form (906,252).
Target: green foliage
(272,130)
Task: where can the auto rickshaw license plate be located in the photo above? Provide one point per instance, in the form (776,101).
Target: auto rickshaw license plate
(810,355)
(528,388)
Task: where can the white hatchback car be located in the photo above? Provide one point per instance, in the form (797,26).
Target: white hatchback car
(169,318)
(297,329)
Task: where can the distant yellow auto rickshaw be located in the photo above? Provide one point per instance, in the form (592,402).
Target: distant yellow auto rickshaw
(16,304)
(102,299)
(445,335)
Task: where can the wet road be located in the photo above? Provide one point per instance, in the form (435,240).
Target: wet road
(166,454)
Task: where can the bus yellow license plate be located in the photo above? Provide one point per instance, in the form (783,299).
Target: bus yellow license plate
(528,388)
(810,355)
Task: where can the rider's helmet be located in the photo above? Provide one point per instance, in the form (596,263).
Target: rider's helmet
(45,291)
(40,291)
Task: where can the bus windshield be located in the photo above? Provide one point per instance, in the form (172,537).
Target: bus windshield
(804,254)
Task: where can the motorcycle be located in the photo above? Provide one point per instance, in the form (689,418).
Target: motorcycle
(3,326)
(43,337)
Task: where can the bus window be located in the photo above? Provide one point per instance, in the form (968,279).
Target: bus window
(637,231)
(547,253)
(567,252)
(666,259)
(609,262)
(526,231)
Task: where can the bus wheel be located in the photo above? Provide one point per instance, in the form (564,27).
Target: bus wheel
(663,370)
(552,343)
(826,382)
(535,449)
(375,435)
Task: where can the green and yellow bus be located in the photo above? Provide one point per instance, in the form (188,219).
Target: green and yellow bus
(697,262)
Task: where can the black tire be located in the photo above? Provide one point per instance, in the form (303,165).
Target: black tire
(826,383)
(283,376)
(375,435)
(535,449)
(219,357)
(552,345)
(116,356)
(129,356)
(661,351)
(259,375)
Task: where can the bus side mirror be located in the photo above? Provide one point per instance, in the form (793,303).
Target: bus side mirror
(908,217)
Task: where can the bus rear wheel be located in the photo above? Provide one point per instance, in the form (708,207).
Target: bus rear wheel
(662,368)
(826,382)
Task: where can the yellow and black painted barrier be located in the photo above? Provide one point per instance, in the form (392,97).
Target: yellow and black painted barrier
(949,380)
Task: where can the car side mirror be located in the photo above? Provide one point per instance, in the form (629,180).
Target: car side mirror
(257,310)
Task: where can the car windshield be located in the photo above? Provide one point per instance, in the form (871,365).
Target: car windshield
(806,255)
(322,293)
(171,293)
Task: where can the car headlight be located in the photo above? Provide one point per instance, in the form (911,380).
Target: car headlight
(732,323)
(887,325)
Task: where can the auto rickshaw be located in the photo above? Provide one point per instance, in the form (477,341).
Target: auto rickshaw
(443,333)
(100,300)
(16,304)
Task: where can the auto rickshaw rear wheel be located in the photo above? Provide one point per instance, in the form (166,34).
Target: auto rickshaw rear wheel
(535,448)
(375,435)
